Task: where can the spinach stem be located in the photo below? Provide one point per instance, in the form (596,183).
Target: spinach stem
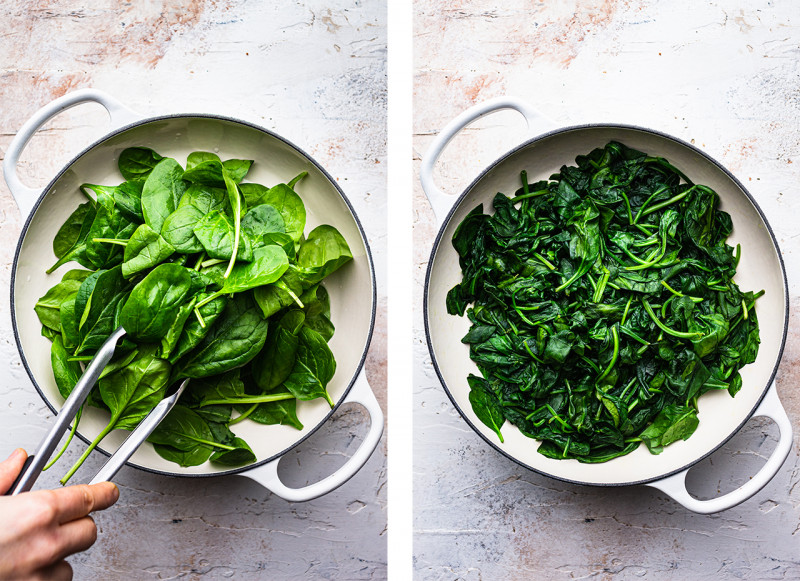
(628,207)
(530,352)
(647,201)
(535,194)
(654,256)
(211,262)
(105,431)
(601,286)
(285,288)
(209,443)
(249,399)
(632,335)
(627,387)
(119,242)
(625,312)
(297,178)
(209,298)
(666,203)
(243,416)
(558,418)
(546,262)
(199,317)
(72,431)
(614,355)
(233,193)
(670,289)
(663,327)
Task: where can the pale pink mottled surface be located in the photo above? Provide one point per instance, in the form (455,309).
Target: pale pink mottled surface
(723,76)
(312,72)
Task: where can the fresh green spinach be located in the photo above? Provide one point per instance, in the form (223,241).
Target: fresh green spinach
(213,279)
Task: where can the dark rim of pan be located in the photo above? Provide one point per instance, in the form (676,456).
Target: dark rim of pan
(311,160)
(542,137)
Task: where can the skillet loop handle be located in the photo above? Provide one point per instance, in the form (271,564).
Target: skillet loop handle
(24,196)
(675,485)
(267,475)
(441,202)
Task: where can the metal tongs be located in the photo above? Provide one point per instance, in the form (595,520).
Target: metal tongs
(35,463)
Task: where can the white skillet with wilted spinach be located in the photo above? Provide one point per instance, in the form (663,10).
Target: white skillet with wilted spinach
(720,416)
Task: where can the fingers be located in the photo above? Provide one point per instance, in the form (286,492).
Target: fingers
(76,536)
(105,495)
(74,502)
(10,468)
(61,571)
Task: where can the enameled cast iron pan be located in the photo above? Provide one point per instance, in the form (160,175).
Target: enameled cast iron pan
(351,289)
(761,266)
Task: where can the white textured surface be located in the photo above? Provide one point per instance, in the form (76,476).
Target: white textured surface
(313,72)
(722,75)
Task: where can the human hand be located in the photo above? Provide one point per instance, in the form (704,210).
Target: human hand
(39,529)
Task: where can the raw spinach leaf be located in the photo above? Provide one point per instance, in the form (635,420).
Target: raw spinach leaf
(269,263)
(282,412)
(261,220)
(170,339)
(215,231)
(204,198)
(324,251)
(128,199)
(183,437)
(108,227)
(234,340)
(48,308)
(161,192)
(97,321)
(197,157)
(313,369)
(276,360)
(145,249)
(66,372)
(198,326)
(282,198)
(176,258)
(70,242)
(74,229)
(239,455)
(155,302)
(136,163)
(178,229)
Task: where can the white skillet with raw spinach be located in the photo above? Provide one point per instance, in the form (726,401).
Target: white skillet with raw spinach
(213,280)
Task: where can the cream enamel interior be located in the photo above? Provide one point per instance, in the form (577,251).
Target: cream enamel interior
(760,268)
(351,288)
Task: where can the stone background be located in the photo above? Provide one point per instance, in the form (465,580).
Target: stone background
(314,72)
(722,75)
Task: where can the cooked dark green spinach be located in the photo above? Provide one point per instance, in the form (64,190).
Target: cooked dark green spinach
(602,306)
(213,280)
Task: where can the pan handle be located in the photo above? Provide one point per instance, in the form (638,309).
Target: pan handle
(25,196)
(267,475)
(441,202)
(675,485)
